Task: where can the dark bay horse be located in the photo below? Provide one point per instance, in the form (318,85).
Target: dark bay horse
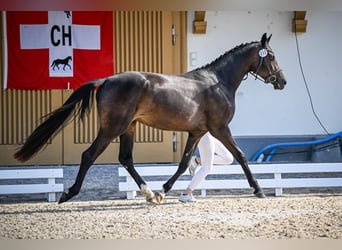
(199,101)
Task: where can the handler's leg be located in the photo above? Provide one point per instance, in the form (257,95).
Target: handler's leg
(222,154)
(206,148)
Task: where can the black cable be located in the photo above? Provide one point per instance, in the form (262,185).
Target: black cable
(307,88)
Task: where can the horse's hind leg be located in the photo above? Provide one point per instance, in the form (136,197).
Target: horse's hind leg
(88,157)
(126,159)
(188,152)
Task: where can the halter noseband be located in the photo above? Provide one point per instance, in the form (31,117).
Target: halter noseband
(272,76)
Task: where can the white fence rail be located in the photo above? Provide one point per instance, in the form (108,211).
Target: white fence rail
(277,181)
(19,174)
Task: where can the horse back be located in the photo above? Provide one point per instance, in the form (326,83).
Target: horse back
(168,102)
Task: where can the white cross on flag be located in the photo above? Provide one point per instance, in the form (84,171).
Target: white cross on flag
(57,49)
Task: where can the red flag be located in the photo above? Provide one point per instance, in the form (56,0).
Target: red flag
(57,49)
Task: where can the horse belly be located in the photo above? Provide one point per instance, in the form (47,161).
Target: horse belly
(169,106)
(170,121)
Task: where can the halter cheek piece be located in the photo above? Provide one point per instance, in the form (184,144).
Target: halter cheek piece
(272,76)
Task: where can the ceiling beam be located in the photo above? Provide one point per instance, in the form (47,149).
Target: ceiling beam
(199,24)
(299,23)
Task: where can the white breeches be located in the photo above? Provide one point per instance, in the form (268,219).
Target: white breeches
(211,152)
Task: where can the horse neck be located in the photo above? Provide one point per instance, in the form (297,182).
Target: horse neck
(232,67)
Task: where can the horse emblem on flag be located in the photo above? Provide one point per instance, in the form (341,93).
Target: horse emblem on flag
(58,62)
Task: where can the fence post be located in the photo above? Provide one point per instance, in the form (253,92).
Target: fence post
(51,196)
(203,192)
(130,194)
(278,190)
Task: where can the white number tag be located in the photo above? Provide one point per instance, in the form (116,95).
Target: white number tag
(262,52)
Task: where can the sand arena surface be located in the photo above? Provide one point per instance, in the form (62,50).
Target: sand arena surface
(101,211)
(309,216)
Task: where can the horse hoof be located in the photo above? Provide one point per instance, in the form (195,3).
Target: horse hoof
(160,197)
(152,200)
(260,194)
(63,198)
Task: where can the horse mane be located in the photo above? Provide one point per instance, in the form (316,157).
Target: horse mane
(229,53)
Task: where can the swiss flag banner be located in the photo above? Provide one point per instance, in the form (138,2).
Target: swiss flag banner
(57,49)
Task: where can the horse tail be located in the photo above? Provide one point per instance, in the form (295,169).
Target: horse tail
(79,103)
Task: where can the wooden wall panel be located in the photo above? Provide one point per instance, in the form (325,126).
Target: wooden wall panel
(138,47)
(21,113)
(138,41)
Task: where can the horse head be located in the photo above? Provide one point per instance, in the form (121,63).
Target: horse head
(267,67)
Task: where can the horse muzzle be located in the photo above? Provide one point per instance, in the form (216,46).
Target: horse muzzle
(277,79)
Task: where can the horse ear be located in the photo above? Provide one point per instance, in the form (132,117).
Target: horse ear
(269,38)
(264,40)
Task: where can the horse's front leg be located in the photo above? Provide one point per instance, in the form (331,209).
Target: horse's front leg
(126,159)
(224,135)
(188,152)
